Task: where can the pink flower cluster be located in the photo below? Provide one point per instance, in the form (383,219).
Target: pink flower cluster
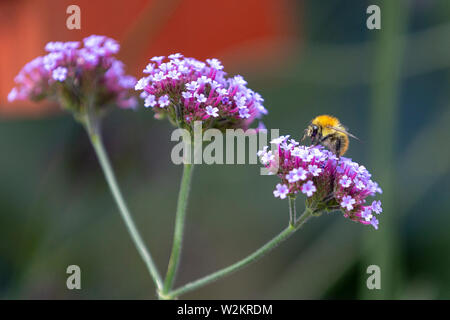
(188,90)
(329,183)
(73,74)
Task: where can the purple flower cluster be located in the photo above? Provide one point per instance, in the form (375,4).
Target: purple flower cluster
(329,183)
(74,73)
(188,90)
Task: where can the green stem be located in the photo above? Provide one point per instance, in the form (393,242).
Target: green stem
(286,233)
(292,211)
(179,227)
(97,143)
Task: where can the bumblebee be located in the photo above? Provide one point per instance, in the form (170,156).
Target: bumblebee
(329,132)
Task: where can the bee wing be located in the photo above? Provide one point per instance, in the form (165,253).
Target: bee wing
(343,131)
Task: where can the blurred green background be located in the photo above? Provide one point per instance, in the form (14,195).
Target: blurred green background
(389,86)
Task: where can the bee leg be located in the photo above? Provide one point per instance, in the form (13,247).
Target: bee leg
(338,148)
(328,197)
(323,139)
(316,140)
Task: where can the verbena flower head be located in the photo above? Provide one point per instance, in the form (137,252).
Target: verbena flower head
(327,182)
(77,74)
(187,90)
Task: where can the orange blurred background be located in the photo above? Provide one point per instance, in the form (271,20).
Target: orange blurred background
(249,33)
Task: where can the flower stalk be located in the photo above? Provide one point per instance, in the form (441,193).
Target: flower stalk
(91,126)
(179,227)
(269,246)
(292,211)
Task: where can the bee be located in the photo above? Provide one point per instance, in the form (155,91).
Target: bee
(329,132)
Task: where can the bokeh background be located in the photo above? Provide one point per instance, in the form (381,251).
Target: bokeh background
(389,86)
